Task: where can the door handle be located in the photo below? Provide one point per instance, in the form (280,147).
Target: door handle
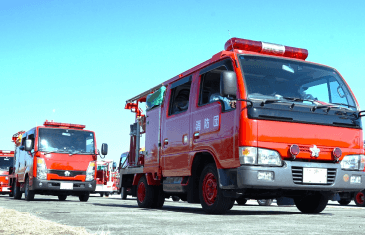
(196,135)
(165,142)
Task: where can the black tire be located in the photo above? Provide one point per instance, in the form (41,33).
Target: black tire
(175,198)
(62,197)
(210,194)
(84,197)
(265,202)
(145,194)
(241,201)
(344,202)
(17,193)
(28,194)
(311,204)
(159,198)
(123,193)
(359,198)
(101,194)
(231,204)
(107,194)
(11,194)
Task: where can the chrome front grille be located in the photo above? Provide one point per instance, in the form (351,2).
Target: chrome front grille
(297,173)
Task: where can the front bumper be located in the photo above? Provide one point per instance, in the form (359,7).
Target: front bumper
(55,185)
(290,177)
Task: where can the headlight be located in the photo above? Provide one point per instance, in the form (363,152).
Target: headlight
(90,172)
(259,156)
(353,162)
(41,169)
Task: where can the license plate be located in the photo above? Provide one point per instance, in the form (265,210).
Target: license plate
(315,175)
(67,186)
(5,189)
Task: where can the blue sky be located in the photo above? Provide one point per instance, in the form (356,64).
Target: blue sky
(78,61)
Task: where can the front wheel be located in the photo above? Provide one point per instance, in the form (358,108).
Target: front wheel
(123,193)
(360,198)
(265,202)
(311,204)
(84,197)
(17,193)
(175,198)
(101,194)
(241,201)
(62,197)
(29,194)
(211,196)
(344,202)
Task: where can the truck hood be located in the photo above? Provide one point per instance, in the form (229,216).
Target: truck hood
(63,161)
(281,135)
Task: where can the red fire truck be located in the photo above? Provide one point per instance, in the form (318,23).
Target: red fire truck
(6,161)
(104,177)
(55,159)
(254,121)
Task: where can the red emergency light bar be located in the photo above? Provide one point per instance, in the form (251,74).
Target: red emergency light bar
(266,48)
(67,125)
(6,152)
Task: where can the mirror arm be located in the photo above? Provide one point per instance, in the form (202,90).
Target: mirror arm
(248,101)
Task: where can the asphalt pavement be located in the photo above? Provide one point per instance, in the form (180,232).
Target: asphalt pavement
(111,215)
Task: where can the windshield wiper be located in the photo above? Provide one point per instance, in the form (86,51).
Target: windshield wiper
(350,106)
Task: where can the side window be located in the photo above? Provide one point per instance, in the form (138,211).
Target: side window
(210,89)
(31,137)
(24,137)
(179,99)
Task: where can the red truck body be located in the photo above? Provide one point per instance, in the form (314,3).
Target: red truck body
(254,121)
(6,161)
(55,159)
(105,178)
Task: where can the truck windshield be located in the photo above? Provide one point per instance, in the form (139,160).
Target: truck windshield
(294,81)
(6,162)
(65,140)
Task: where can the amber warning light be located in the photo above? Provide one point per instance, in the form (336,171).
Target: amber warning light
(266,48)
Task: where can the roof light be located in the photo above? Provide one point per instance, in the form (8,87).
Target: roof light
(67,125)
(266,48)
(6,152)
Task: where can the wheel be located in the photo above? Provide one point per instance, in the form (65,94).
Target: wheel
(17,193)
(241,201)
(101,194)
(175,198)
(344,202)
(311,204)
(62,197)
(84,197)
(360,198)
(29,194)
(159,197)
(107,194)
(211,196)
(145,193)
(265,202)
(123,193)
(11,194)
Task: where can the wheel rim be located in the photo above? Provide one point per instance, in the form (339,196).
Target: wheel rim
(360,198)
(141,192)
(210,189)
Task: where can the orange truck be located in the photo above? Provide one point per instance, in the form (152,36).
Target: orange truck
(255,121)
(6,161)
(55,159)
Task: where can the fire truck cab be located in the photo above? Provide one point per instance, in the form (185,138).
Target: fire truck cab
(255,121)
(6,161)
(104,177)
(55,159)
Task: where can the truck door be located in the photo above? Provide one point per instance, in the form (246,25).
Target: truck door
(214,116)
(21,155)
(175,129)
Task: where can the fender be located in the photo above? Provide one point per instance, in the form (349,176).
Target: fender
(149,178)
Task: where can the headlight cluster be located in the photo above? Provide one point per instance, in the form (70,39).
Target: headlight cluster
(259,156)
(41,169)
(353,162)
(90,172)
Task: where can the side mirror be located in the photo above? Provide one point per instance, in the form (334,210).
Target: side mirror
(11,169)
(104,149)
(28,145)
(228,84)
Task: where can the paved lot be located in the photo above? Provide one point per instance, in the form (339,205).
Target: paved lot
(115,216)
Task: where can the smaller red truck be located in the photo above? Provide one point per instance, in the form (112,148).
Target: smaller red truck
(6,161)
(104,178)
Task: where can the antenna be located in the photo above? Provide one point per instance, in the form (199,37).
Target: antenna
(230,38)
